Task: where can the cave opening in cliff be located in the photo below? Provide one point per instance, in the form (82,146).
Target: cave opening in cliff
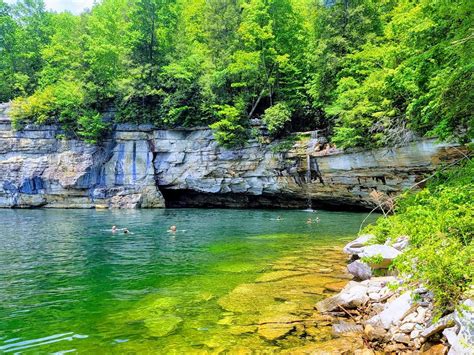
(185,198)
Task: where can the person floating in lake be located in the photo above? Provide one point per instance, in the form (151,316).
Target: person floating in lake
(318,220)
(279,218)
(172,229)
(114,229)
(309,221)
(126,231)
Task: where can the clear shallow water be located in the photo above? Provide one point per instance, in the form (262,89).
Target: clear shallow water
(69,284)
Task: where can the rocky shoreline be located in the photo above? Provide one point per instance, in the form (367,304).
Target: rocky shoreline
(390,316)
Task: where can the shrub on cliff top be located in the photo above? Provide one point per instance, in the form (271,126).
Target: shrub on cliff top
(229,130)
(440,222)
(64,104)
(276,117)
(59,103)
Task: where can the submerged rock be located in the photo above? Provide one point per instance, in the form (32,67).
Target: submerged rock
(375,333)
(438,349)
(162,326)
(335,286)
(352,296)
(279,275)
(242,329)
(276,328)
(346,328)
(343,345)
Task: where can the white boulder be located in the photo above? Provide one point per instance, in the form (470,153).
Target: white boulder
(352,296)
(393,312)
(357,245)
(360,270)
(462,342)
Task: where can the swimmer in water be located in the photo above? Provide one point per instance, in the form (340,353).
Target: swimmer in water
(279,218)
(309,221)
(114,229)
(172,229)
(318,220)
(126,231)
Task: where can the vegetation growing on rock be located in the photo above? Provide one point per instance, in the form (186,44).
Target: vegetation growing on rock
(369,71)
(440,222)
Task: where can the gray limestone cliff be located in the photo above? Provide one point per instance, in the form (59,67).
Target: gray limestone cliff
(141,166)
(39,170)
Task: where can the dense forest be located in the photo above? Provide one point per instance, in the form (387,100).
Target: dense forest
(370,72)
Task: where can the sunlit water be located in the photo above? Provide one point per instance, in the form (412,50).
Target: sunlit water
(67,284)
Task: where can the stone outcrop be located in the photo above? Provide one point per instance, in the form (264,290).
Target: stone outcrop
(38,169)
(394,316)
(138,165)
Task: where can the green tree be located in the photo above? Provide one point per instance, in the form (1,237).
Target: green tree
(24,31)
(153,25)
(373,72)
(341,27)
(416,77)
(107,48)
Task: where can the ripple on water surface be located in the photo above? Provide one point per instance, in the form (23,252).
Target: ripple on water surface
(228,280)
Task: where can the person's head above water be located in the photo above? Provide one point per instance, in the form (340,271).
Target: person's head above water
(114,228)
(125,231)
(173,228)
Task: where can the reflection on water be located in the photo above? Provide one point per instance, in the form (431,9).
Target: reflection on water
(68,283)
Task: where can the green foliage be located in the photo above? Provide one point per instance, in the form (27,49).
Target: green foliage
(91,126)
(440,223)
(24,31)
(276,117)
(372,260)
(229,131)
(371,72)
(59,103)
(415,76)
(63,104)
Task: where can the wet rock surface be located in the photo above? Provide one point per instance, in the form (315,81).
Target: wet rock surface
(279,306)
(274,314)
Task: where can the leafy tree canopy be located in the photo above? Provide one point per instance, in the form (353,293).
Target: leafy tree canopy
(370,72)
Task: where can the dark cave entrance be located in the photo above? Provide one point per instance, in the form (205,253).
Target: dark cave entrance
(176,198)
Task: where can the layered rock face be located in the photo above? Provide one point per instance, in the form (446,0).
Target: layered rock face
(191,170)
(38,169)
(138,165)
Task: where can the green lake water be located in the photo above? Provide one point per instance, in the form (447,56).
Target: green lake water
(67,284)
